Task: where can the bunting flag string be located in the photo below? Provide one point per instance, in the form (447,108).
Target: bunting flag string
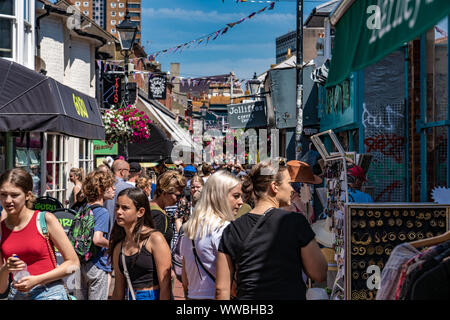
(207,37)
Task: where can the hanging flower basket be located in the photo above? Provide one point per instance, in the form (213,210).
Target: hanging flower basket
(126,124)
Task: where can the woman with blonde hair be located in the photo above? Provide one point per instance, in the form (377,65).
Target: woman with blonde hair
(266,249)
(219,202)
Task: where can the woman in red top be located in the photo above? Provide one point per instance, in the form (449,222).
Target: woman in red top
(23,244)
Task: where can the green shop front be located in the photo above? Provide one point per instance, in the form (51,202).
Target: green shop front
(396,108)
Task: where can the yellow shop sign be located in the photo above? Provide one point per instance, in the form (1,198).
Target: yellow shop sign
(80,106)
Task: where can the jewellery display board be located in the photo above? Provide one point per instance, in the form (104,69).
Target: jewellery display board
(373,230)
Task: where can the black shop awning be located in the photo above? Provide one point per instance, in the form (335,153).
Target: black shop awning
(156,149)
(30,101)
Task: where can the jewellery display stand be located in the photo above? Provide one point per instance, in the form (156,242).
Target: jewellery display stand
(373,230)
(335,176)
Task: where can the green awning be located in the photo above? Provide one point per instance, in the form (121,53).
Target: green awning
(357,46)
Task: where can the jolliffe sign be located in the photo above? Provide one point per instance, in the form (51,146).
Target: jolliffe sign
(80,106)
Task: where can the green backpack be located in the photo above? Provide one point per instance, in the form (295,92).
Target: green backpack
(81,233)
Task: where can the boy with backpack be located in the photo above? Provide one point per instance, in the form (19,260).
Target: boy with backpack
(89,235)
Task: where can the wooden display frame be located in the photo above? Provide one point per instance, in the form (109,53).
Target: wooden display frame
(363,216)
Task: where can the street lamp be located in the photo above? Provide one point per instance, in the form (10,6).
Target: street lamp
(254,85)
(127,31)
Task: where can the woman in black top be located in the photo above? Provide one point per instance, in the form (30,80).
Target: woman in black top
(146,252)
(268,248)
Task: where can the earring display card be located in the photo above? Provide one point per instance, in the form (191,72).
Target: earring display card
(373,230)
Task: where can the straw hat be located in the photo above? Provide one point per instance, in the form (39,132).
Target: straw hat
(322,229)
(302,172)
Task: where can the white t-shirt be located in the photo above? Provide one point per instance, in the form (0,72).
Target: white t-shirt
(201,286)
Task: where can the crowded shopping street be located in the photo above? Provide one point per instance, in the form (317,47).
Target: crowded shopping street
(145,156)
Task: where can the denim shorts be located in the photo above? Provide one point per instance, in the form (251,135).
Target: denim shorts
(51,291)
(144,294)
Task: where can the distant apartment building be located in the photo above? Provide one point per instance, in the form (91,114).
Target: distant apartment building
(283,44)
(109,13)
(289,41)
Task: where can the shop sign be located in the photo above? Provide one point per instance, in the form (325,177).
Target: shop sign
(247,115)
(157,87)
(80,106)
(102,148)
(112,90)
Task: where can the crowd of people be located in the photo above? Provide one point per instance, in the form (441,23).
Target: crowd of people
(233,226)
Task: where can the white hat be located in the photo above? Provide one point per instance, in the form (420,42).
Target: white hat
(322,229)
(109,161)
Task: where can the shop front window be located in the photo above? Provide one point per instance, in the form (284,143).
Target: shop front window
(27,155)
(86,156)
(56,180)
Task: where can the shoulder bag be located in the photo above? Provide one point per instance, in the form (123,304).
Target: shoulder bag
(126,274)
(44,229)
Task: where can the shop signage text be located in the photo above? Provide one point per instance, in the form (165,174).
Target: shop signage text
(157,87)
(80,106)
(247,115)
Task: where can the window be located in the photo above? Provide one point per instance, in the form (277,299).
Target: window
(27,155)
(86,155)
(121,14)
(134,5)
(56,179)
(86,4)
(85,12)
(113,13)
(113,22)
(78,3)
(113,31)
(121,5)
(6,28)
(113,5)
(135,14)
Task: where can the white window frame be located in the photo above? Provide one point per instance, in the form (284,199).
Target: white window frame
(113,5)
(113,22)
(59,188)
(121,5)
(86,156)
(86,3)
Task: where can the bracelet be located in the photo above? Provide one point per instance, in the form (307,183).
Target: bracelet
(421,216)
(354,265)
(409,224)
(391,222)
(441,223)
(443,214)
(369,239)
(370,250)
(388,249)
(372,223)
(402,236)
(361,213)
(371,263)
(411,235)
(384,237)
(436,213)
(396,213)
(427,216)
(377,237)
(355,251)
(418,224)
(433,223)
(370,213)
(355,275)
(355,295)
(362,224)
(379,250)
(380,223)
(380,264)
(354,240)
(354,224)
(377,214)
(429,234)
(412,213)
(420,235)
(362,264)
(362,251)
(398,222)
(364,276)
(353,212)
(387,213)
(405,213)
(392,236)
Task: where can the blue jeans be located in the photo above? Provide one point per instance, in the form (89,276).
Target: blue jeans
(145,294)
(50,291)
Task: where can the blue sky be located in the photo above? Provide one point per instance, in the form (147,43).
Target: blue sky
(246,48)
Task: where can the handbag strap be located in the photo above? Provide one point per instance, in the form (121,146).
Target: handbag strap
(125,271)
(50,246)
(200,262)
